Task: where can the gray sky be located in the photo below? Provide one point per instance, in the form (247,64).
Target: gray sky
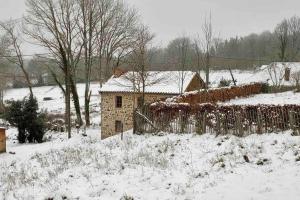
(171,18)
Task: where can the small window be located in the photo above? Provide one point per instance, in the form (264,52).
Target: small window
(118,102)
(118,126)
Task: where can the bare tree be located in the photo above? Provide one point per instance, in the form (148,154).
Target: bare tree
(207,43)
(87,23)
(106,32)
(179,51)
(276,74)
(198,53)
(52,25)
(296,79)
(294,34)
(4,43)
(114,35)
(14,42)
(281,32)
(139,59)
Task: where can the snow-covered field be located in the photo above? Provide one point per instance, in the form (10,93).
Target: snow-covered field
(57,105)
(153,167)
(242,76)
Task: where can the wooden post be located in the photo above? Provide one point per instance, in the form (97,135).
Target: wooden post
(2,140)
(218,123)
(225,124)
(134,121)
(204,122)
(259,122)
(122,132)
(239,124)
(199,120)
(292,122)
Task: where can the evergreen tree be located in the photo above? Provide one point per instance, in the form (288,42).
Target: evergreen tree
(24,115)
(15,117)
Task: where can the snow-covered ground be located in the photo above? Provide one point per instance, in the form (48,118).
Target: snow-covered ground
(242,76)
(153,167)
(273,98)
(57,105)
(248,76)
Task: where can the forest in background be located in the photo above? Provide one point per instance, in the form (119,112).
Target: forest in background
(246,53)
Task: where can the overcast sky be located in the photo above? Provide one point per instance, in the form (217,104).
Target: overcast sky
(171,18)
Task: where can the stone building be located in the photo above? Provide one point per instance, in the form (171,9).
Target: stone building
(121,94)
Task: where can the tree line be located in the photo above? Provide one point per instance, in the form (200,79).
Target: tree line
(281,44)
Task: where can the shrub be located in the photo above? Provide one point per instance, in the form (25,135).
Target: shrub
(265,88)
(224,83)
(24,115)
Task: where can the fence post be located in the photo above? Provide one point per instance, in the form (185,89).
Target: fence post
(182,121)
(204,122)
(292,122)
(198,124)
(218,123)
(225,124)
(259,122)
(239,124)
(134,121)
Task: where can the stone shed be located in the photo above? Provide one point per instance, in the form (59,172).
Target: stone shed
(121,94)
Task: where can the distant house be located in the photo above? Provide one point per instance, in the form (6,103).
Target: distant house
(121,94)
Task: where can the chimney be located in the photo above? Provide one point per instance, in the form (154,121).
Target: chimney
(118,72)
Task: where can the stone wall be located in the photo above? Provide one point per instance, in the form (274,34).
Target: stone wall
(2,140)
(109,112)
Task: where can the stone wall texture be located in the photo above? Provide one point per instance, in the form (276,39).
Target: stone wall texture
(109,112)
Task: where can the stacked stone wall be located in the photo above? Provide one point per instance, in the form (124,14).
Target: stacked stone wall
(109,112)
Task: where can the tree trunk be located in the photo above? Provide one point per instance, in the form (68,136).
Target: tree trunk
(68,106)
(207,69)
(76,101)
(87,108)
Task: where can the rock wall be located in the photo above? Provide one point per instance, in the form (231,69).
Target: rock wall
(109,112)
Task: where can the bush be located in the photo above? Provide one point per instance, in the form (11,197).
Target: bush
(24,115)
(265,88)
(224,83)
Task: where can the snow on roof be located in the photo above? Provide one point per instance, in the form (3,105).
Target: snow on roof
(166,82)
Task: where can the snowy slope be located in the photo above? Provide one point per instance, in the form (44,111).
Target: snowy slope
(57,105)
(154,167)
(242,76)
(258,75)
(274,98)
